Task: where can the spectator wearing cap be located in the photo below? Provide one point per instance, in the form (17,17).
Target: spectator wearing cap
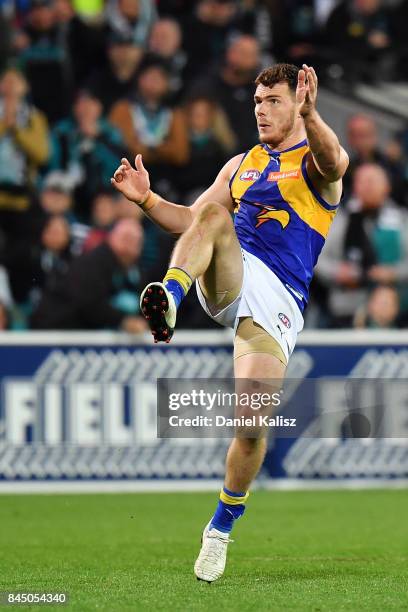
(133,18)
(101,288)
(56,197)
(231,85)
(118,79)
(23,150)
(367,245)
(150,126)
(87,147)
(43,56)
(56,194)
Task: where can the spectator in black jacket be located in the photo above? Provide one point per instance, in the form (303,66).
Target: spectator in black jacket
(165,44)
(206,32)
(232,87)
(118,79)
(100,289)
(45,60)
(358,37)
(34,264)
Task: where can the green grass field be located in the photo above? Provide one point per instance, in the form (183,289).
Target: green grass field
(326,550)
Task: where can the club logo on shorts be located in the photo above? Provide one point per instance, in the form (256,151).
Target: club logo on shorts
(285,320)
(250,175)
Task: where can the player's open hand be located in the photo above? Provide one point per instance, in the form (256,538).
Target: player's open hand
(306,91)
(133,183)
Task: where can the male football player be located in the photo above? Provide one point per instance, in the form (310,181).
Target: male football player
(252,272)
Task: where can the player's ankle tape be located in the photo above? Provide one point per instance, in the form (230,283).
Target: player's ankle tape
(181,277)
(231,498)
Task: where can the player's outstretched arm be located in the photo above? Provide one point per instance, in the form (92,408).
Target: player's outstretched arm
(134,183)
(329,158)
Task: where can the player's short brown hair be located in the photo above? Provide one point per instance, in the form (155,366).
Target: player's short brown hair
(279,73)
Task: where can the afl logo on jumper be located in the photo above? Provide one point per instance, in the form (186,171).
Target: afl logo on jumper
(285,320)
(250,175)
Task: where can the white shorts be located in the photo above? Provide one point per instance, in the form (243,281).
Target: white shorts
(264,298)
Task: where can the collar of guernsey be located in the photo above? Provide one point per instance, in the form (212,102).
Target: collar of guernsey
(279,216)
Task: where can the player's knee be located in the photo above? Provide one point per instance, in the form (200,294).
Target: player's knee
(250,442)
(213,216)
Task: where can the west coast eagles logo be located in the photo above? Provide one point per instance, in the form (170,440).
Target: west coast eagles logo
(270,212)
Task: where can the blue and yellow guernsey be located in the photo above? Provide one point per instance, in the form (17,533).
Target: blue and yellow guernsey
(279,216)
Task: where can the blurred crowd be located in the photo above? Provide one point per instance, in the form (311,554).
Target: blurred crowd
(86,82)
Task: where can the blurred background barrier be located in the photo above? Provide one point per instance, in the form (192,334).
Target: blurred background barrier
(82,406)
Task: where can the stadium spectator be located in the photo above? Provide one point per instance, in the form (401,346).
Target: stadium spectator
(117,80)
(367,245)
(381,310)
(23,150)
(207,153)
(358,38)
(87,147)
(5,38)
(399,38)
(397,153)
(133,18)
(6,298)
(363,146)
(206,32)
(33,265)
(44,58)
(150,127)
(56,194)
(295,32)
(100,289)
(165,44)
(232,87)
(55,248)
(104,215)
(84,32)
(179,8)
(157,244)
(4,318)
(57,198)
(127,209)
